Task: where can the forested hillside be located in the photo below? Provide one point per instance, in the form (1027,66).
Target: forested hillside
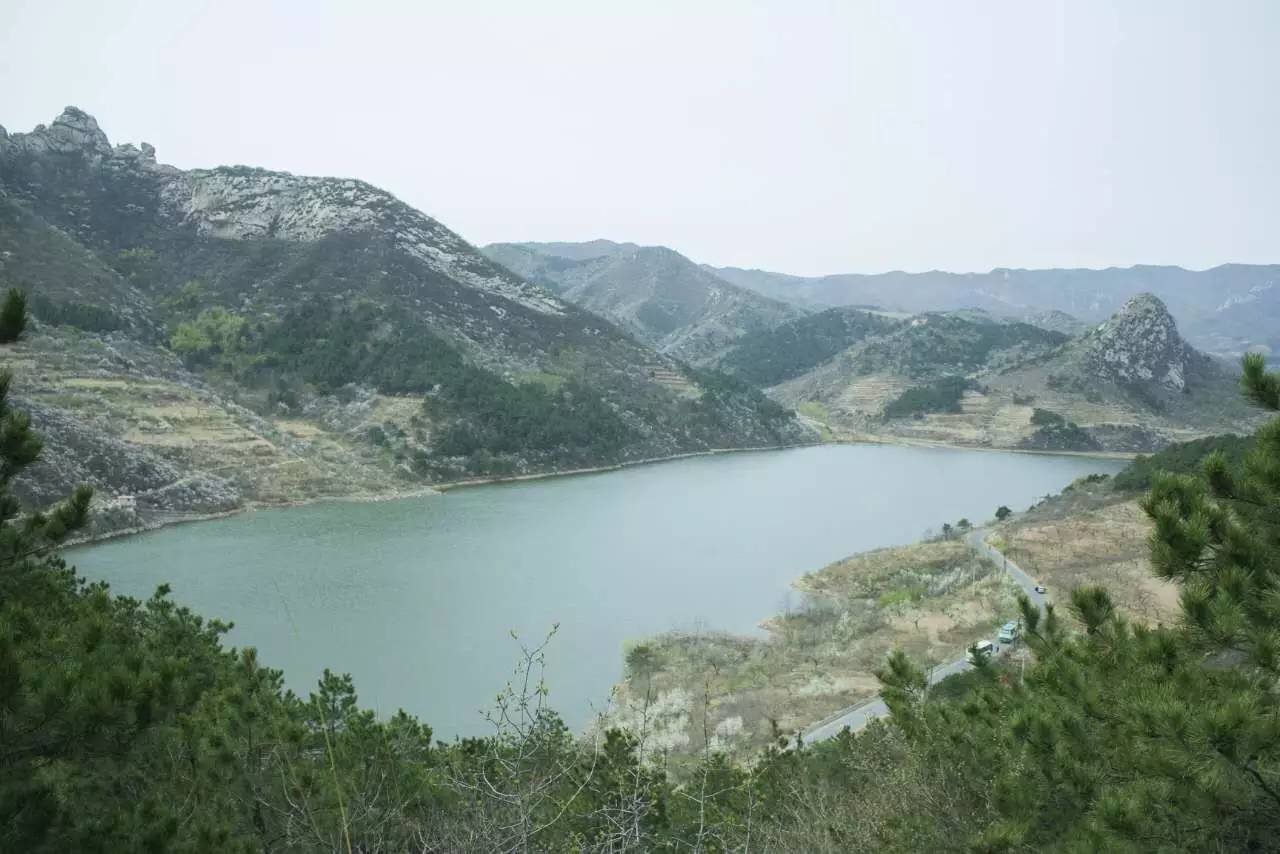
(212,337)
(768,357)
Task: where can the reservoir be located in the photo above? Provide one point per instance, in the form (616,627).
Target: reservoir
(417,598)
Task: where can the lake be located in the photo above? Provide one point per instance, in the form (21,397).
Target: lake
(417,597)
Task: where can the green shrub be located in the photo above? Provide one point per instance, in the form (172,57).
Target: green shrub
(90,318)
(942,395)
(1181,458)
(215,332)
(768,357)
(13,316)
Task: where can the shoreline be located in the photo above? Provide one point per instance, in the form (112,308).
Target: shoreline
(171,519)
(175,519)
(873,439)
(600,469)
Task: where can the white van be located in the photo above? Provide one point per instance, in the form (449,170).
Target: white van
(985,648)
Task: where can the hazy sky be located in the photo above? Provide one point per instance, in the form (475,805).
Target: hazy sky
(806,137)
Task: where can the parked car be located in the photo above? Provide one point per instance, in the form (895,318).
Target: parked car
(1008,633)
(985,648)
(1040,588)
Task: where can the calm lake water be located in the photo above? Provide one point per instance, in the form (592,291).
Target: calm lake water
(416,598)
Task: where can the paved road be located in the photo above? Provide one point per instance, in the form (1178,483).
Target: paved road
(856,717)
(1027,583)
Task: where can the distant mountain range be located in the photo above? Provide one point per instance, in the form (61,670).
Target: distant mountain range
(656,293)
(212,337)
(1003,359)
(653,292)
(1224,310)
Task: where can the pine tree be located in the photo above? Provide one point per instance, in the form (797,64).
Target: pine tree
(13,316)
(1125,736)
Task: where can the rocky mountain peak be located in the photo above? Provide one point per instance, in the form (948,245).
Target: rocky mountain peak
(74,130)
(1140,344)
(243,203)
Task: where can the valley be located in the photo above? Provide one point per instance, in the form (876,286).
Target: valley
(210,341)
(986,372)
(431,586)
(214,339)
(623,428)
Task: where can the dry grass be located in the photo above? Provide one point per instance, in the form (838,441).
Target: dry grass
(930,599)
(1092,536)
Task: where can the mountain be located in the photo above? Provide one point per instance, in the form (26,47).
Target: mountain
(1210,303)
(655,293)
(209,338)
(1130,384)
(1140,346)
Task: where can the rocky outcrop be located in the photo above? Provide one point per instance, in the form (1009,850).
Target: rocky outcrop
(1140,344)
(241,203)
(74,131)
(246,204)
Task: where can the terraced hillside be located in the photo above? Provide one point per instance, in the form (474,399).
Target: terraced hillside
(213,337)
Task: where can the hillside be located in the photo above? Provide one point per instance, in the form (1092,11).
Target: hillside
(653,292)
(1224,310)
(212,337)
(1131,384)
(770,356)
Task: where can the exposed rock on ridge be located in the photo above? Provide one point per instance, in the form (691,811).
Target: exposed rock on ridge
(1141,344)
(241,203)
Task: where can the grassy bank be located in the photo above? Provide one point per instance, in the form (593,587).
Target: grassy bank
(694,689)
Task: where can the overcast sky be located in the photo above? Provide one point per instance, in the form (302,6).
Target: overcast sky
(806,137)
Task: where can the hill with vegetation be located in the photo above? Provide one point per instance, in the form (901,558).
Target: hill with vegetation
(1131,384)
(654,292)
(771,356)
(207,338)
